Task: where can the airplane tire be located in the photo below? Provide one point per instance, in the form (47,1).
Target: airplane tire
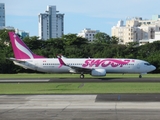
(81,76)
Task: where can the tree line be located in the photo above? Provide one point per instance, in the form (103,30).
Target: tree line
(72,46)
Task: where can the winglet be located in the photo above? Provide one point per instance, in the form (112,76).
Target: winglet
(60,61)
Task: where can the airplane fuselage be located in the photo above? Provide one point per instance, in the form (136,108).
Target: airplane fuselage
(110,65)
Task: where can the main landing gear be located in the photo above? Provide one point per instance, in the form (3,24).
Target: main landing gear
(81,76)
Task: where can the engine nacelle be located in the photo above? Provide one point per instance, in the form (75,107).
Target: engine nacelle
(98,72)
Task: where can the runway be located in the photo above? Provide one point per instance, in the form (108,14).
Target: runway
(74,107)
(44,80)
(80,107)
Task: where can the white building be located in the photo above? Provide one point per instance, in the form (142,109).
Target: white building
(136,29)
(22,33)
(88,34)
(51,24)
(2,14)
(157,38)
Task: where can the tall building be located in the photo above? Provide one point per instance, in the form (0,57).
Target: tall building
(51,23)
(88,34)
(2,15)
(136,29)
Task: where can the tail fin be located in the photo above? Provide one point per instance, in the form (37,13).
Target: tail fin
(20,49)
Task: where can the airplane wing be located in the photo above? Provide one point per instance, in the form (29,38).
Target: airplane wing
(75,68)
(80,69)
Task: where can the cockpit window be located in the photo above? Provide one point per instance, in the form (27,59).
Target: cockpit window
(147,64)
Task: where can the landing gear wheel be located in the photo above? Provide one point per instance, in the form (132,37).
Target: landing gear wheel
(140,76)
(81,76)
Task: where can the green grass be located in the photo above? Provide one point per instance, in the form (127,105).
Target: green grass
(78,88)
(25,75)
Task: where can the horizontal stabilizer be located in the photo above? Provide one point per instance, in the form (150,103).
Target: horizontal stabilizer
(13,59)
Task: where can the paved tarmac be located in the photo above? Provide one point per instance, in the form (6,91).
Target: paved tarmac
(77,107)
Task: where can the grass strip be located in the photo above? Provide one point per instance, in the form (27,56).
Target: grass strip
(78,88)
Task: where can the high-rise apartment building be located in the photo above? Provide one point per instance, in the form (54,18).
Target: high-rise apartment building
(2,14)
(136,29)
(51,24)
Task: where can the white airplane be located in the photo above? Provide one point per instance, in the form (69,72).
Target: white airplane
(25,58)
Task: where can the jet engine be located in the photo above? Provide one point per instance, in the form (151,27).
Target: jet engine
(98,72)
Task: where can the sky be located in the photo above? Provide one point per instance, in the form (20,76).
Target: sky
(99,15)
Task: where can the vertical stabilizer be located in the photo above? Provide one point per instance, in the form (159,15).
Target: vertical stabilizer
(20,49)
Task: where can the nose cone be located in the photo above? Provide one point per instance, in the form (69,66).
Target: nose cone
(153,67)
